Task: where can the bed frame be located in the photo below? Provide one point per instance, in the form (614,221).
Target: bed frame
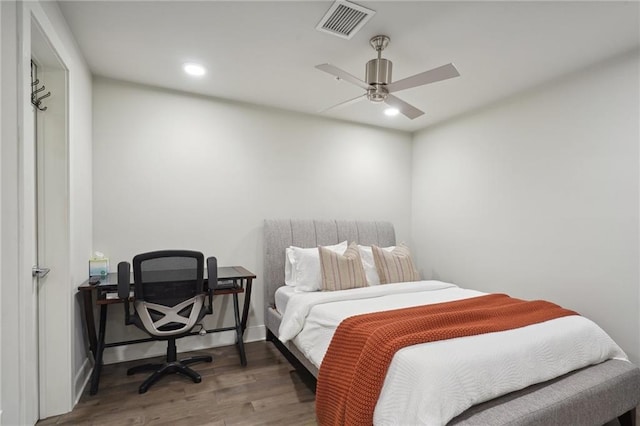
(591,396)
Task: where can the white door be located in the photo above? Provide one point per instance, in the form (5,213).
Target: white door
(40,270)
(42,371)
(53,296)
(29,293)
(50,298)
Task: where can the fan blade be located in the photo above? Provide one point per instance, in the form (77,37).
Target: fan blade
(342,75)
(344,104)
(408,110)
(437,74)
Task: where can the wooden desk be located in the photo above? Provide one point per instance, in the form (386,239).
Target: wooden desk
(231,280)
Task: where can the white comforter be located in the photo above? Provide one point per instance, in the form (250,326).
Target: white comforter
(431,383)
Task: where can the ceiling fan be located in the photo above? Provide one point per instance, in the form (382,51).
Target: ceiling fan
(378,80)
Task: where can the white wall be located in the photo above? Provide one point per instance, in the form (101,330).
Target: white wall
(1,51)
(3,38)
(538,196)
(172,170)
(10,402)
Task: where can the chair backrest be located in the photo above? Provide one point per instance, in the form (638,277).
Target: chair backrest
(168,277)
(168,289)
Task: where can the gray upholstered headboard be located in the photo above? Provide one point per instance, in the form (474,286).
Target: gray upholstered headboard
(280,234)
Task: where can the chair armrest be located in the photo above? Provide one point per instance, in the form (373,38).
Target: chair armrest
(212,280)
(124,287)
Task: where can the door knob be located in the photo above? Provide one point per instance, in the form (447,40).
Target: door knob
(39,272)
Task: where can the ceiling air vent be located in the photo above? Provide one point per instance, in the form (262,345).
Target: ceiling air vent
(344,19)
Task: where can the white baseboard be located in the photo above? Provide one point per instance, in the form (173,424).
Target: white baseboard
(255,334)
(186,344)
(82,378)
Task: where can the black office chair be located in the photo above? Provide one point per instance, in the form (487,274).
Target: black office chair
(169,302)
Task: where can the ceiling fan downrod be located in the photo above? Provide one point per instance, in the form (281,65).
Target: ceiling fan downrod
(378,71)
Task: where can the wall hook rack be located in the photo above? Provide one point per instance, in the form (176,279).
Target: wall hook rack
(35,99)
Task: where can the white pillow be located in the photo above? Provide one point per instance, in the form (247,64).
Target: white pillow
(302,266)
(369,264)
(289,271)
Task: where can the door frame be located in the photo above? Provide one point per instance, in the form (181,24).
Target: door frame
(45,310)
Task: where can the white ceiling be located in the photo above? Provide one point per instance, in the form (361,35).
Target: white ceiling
(264,52)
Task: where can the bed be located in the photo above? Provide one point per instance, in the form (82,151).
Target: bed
(593,395)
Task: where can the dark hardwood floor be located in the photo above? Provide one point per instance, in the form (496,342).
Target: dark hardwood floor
(267,391)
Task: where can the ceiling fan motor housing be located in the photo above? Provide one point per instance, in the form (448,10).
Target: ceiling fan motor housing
(378,71)
(378,75)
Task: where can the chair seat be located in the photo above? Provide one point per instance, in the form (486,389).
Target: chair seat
(137,321)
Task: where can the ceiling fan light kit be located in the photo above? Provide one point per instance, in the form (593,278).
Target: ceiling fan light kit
(378,71)
(379,85)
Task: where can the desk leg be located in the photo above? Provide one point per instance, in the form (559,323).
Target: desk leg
(97,368)
(239,330)
(247,303)
(87,298)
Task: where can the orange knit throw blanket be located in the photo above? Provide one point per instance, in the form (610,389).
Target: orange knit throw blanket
(355,365)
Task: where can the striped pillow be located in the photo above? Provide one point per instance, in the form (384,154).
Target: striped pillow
(395,266)
(341,272)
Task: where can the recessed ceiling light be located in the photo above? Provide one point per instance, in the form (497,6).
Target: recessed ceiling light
(391,112)
(196,70)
